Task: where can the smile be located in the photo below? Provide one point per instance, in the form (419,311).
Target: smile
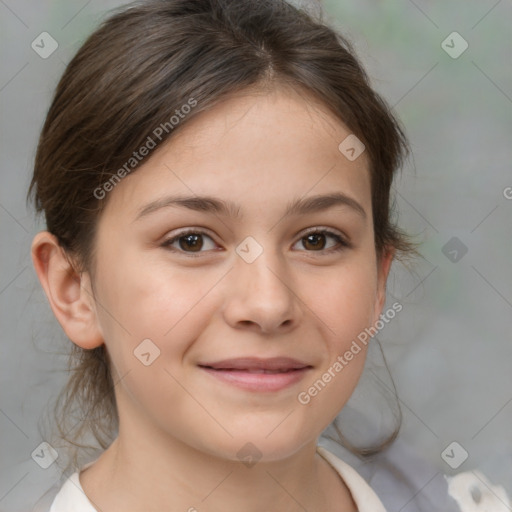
(258,375)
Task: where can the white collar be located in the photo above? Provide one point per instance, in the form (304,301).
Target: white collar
(72,498)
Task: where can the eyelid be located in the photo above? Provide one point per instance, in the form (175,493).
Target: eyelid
(340,237)
(186,231)
(344,242)
(325,229)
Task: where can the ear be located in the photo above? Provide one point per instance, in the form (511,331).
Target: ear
(383,267)
(70,294)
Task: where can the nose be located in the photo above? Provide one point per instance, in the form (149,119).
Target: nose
(261,296)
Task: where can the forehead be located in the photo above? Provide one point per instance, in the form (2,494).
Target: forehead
(253,147)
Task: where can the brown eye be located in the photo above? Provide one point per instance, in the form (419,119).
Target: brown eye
(192,241)
(188,242)
(316,241)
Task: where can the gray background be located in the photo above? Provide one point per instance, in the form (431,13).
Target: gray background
(449,350)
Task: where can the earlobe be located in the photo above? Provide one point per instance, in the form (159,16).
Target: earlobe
(69,294)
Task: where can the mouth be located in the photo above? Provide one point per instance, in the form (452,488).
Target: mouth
(258,375)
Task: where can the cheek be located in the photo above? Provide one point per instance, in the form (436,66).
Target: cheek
(150,301)
(344,303)
(345,306)
(151,318)
(325,395)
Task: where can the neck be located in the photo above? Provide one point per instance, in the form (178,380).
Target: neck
(146,469)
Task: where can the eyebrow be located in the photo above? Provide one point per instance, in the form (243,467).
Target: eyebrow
(209,204)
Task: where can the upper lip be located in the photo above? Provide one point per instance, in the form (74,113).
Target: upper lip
(256,363)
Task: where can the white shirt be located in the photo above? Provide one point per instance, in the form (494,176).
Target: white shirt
(396,478)
(72,498)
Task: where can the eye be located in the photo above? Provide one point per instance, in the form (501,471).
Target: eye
(316,241)
(191,241)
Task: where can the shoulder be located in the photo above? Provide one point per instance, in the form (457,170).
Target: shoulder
(362,494)
(402,480)
(71,497)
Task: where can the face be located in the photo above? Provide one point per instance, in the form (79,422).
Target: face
(219,314)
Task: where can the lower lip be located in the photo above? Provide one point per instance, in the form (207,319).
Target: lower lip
(259,382)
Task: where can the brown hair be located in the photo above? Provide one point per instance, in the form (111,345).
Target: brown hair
(132,74)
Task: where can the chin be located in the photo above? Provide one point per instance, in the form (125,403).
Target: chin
(255,444)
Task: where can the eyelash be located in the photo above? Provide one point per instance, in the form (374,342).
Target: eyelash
(342,243)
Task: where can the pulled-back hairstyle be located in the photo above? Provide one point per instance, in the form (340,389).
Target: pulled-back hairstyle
(142,66)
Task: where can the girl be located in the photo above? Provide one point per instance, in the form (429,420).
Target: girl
(215,177)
